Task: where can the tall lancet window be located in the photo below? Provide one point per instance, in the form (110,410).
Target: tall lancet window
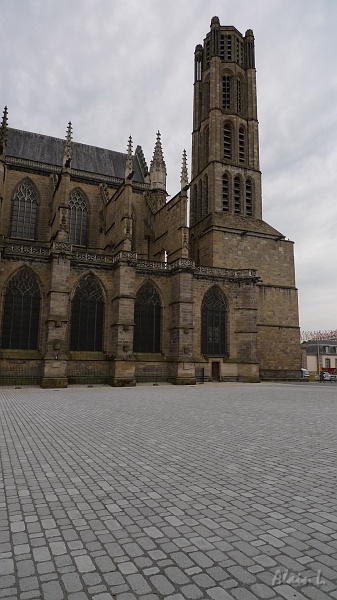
(24,212)
(21,316)
(213,323)
(237,195)
(147,320)
(227,141)
(249,197)
(226,91)
(78,219)
(225,192)
(87,310)
(242,145)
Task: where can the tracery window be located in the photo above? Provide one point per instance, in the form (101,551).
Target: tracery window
(87,311)
(24,212)
(213,323)
(78,219)
(227,141)
(21,316)
(249,197)
(225,192)
(147,320)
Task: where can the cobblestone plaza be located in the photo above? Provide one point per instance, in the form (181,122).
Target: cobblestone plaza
(219,491)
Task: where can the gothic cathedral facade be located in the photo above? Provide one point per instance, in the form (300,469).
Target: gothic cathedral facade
(103,280)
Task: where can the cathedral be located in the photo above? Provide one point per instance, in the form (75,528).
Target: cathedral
(103,280)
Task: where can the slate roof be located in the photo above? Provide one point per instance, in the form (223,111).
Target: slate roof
(49,150)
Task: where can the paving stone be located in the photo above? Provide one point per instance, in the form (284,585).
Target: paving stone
(84,563)
(162,584)
(6,566)
(72,582)
(217,593)
(176,575)
(155,510)
(138,584)
(52,590)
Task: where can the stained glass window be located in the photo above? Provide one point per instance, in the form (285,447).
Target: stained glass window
(213,323)
(87,310)
(24,212)
(21,315)
(78,219)
(147,320)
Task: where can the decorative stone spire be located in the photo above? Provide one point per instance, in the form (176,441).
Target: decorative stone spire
(158,167)
(129,160)
(3,131)
(184,172)
(68,149)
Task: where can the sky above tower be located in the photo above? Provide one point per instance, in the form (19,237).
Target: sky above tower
(124,67)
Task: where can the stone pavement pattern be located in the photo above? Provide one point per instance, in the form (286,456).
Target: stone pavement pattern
(222,492)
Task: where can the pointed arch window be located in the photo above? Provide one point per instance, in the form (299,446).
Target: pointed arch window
(21,316)
(78,219)
(213,323)
(237,195)
(226,91)
(242,145)
(227,141)
(24,212)
(87,310)
(225,192)
(147,320)
(249,197)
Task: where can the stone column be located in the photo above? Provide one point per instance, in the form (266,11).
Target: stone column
(56,357)
(182,367)
(123,365)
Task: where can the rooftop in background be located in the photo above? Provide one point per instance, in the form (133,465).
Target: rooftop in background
(329,335)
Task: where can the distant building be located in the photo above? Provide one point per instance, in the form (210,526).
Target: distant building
(102,279)
(320,355)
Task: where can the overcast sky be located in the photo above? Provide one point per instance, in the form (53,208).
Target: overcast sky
(125,67)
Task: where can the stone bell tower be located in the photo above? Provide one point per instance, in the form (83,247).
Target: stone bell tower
(226,226)
(226,180)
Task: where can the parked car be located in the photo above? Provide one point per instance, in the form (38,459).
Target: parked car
(326,376)
(305,374)
(333,377)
